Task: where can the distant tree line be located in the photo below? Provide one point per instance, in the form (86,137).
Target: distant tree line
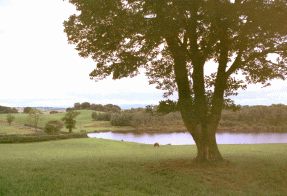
(97,107)
(256,118)
(243,119)
(148,117)
(7,110)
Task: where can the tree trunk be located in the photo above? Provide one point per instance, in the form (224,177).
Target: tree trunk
(70,130)
(194,110)
(207,150)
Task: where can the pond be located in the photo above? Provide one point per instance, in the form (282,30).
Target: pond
(186,139)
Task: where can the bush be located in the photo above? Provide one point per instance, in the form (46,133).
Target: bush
(53,112)
(140,118)
(27,110)
(102,116)
(121,119)
(53,127)
(69,109)
(7,110)
(10,118)
(39,138)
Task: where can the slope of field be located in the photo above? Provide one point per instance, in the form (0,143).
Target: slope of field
(104,167)
(84,122)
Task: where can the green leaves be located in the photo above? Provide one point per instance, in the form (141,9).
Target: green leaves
(123,36)
(69,120)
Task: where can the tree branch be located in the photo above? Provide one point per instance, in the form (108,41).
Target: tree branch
(236,64)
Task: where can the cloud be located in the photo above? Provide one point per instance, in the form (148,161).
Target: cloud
(5,3)
(40,68)
(255,95)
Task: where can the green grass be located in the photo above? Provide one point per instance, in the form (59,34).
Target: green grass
(84,122)
(6,129)
(105,167)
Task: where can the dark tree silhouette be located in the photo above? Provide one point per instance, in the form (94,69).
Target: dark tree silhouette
(167,106)
(173,40)
(69,120)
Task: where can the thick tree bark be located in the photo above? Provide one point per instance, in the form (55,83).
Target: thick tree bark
(194,112)
(207,149)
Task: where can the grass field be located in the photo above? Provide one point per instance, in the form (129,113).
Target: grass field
(105,167)
(84,122)
(6,129)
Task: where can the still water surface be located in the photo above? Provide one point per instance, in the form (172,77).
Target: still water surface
(185,138)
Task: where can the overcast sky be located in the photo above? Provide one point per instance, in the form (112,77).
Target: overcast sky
(40,68)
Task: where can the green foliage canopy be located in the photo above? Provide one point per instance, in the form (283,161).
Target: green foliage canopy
(53,127)
(10,118)
(69,120)
(27,109)
(35,115)
(6,110)
(122,36)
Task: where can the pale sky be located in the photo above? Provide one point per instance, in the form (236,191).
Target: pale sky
(40,68)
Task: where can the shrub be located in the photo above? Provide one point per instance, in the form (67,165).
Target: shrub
(121,119)
(27,109)
(94,115)
(142,119)
(10,118)
(53,127)
(53,112)
(23,139)
(69,109)
(102,116)
(7,110)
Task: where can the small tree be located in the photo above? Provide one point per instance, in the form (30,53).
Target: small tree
(14,110)
(10,118)
(149,109)
(85,105)
(53,127)
(94,115)
(69,109)
(27,110)
(77,106)
(69,120)
(35,115)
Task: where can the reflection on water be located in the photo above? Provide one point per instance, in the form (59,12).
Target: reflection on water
(185,138)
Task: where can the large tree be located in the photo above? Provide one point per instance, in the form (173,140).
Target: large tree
(173,40)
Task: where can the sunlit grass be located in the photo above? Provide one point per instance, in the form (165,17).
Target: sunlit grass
(84,122)
(7,129)
(105,167)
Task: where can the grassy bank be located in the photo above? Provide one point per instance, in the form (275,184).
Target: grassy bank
(87,124)
(104,167)
(84,122)
(8,130)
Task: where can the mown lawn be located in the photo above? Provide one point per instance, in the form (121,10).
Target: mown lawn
(105,167)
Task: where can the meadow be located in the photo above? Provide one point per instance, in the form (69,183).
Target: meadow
(84,123)
(105,167)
